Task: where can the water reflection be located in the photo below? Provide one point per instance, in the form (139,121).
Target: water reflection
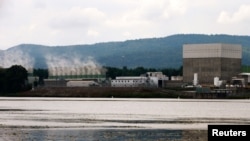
(109,113)
(90,134)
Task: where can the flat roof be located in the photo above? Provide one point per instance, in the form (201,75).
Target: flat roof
(213,50)
(244,73)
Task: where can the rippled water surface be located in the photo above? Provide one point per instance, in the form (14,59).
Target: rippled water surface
(108,113)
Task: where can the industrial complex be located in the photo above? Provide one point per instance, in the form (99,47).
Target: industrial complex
(213,64)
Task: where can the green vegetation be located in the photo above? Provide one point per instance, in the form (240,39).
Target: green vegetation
(14,79)
(245,68)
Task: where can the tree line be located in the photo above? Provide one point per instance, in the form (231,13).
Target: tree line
(112,72)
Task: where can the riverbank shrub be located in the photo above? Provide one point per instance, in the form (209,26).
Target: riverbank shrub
(13,79)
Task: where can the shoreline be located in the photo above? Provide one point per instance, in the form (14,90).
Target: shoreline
(102,92)
(131,92)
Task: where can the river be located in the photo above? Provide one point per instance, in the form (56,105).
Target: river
(120,113)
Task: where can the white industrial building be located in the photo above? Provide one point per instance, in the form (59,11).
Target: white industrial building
(71,82)
(129,81)
(151,79)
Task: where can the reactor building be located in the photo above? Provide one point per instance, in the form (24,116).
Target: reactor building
(207,61)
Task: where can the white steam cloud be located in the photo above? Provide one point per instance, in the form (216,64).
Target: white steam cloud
(58,65)
(72,66)
(16,57)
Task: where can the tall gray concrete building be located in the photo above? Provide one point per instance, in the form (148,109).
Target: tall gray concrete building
(211,60)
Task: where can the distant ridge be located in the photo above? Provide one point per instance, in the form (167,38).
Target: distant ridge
(165,52)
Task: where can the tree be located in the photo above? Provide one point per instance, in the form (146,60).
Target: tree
(15,79)
(42,74)
(139,70)
(2,79)
(112,72)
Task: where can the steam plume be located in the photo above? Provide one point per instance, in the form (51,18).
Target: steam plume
(72,66)
(16,57)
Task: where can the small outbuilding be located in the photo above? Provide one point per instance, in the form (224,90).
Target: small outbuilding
(245,76)
(81,83)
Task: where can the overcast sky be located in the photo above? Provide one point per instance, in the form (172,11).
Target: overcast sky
(70,22)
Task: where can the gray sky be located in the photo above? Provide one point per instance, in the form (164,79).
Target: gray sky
(70,22)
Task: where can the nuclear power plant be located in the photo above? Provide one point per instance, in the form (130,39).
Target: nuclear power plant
(204,62)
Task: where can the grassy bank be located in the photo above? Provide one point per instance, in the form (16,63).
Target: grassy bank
(103,92)
(125,93)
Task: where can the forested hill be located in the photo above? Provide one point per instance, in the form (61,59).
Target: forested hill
(163,52)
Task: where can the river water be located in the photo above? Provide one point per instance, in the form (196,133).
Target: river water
(120,113)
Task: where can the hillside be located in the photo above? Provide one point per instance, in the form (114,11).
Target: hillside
(163,52)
